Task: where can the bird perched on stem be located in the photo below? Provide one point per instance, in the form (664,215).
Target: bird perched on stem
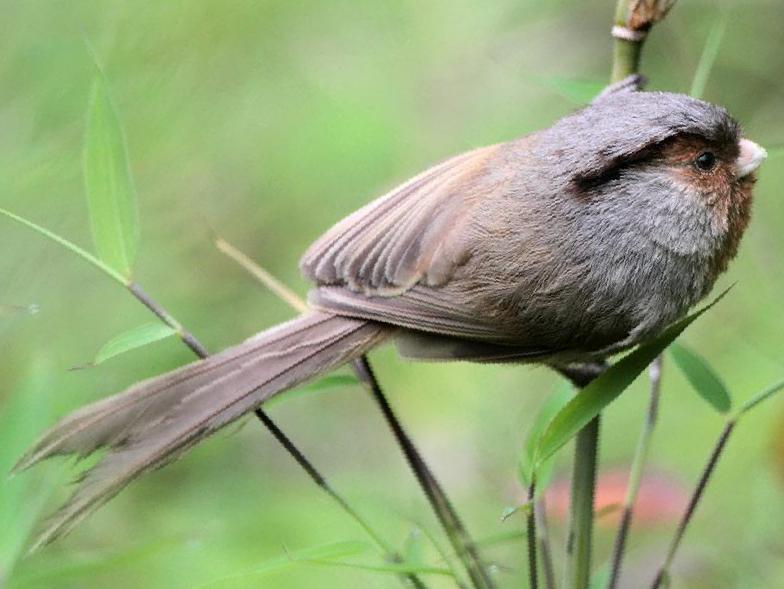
(561,247)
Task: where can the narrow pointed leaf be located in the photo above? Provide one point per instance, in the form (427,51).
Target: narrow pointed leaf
(111,197)
(132,339)
(528,466)
(591,400)
(702,377)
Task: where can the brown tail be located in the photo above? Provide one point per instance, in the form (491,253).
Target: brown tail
(156,421)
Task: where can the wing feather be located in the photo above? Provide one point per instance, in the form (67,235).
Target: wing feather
(387,246)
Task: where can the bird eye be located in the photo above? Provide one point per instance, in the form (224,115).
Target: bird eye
(705,161)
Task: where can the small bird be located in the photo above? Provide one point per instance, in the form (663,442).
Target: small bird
(564,246)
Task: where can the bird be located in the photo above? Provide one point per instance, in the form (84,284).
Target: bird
(560,248)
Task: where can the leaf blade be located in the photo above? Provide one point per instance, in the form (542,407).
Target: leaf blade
(606,388)
(702,377)
(132,339)
(111,196)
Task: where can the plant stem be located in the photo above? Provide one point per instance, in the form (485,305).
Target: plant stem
(635,477)
(707,472)
(543,539)
(578,548)
(201,351)
(626,53)
(446,514)
(531,533)
(458,536)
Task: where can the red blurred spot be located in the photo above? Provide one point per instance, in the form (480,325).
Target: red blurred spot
(661,499)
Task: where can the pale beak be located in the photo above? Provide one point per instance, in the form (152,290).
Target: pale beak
(750,157)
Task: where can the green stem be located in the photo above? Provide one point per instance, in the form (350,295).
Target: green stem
(578,550)
(635,477)
(531,532)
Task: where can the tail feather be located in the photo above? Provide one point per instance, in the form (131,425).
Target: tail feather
(156,421)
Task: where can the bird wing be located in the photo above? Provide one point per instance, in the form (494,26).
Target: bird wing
(394,260)
(408,235)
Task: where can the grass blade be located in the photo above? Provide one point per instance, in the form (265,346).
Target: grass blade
(527,466)
(702,377)
(708,57)
(111,197)
(607,387)
(134,338)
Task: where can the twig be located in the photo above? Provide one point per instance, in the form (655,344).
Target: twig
(458,536)
(707,472)
(543,539)
(199,350)
(635,477)
(454,528)
(531,533)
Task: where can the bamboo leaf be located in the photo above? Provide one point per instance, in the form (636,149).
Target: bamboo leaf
(527,466)
(111,197)
(702,377)
(134,338)
(590,401)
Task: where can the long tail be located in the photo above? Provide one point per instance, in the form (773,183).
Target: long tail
(157,420)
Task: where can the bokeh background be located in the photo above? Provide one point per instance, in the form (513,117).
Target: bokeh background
(266,121)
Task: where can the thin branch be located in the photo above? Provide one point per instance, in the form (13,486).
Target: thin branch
(531,533)
(635,477)
(458,536)
(201,351)
(707,472)
(543,539)
(455,530)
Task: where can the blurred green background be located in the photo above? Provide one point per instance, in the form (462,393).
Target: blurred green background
(266,121)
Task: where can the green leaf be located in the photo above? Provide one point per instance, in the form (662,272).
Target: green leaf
(760,397)
(86,256)
(321,385)
(528,467)
(111,197)
(590,401)
(708,57)
(702,377)
(132,339)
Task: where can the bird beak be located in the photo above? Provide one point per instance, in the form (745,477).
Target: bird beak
(750,157)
